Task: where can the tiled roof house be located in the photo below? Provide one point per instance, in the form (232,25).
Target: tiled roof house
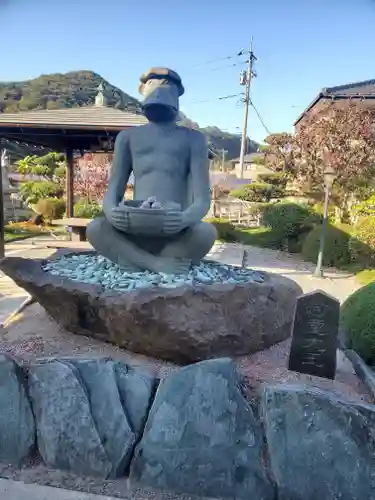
(362,92)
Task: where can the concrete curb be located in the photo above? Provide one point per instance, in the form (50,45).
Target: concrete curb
(27,302)
(362,370)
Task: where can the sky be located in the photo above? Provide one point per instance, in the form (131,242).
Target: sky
(301,46)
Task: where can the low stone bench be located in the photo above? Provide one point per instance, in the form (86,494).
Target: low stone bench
(76,225)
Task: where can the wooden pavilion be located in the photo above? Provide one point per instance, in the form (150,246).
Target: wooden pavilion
(91,128)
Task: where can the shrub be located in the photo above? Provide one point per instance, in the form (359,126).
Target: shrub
(257,208)
(294,244)
(358,320)
(31,192)
(225,229)
(275,179)
(60,172)
(257,192)
(289,220)
(365,208)
(87,210)
(259,237)
(51,208)
(362,241)
(336,249)
(318,208)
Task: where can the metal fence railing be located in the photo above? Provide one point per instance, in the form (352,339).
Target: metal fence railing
(236,211)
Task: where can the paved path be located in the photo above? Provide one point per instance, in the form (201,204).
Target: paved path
(12,296)
(337,283)
(14,490)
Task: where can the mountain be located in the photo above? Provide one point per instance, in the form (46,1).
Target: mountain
(231,143)
(69,90)
(79,88)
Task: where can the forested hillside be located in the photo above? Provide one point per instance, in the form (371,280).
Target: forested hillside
(79,88)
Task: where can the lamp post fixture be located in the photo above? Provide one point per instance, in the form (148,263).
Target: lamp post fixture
(329,178)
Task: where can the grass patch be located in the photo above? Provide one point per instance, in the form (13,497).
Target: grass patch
(366,276)
(15,231)
(258,237)
(15,237)
(20,235)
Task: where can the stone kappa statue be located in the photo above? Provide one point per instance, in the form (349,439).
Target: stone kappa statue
(161,229)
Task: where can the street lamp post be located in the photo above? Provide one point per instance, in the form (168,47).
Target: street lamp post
(329,179)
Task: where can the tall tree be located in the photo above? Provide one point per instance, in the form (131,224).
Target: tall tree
(51,166)
(279,152)
(91,176)
(47,176)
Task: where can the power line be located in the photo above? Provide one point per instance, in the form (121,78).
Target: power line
(241,63)
(218,59)
(260,118)
(219,68)
(222,98)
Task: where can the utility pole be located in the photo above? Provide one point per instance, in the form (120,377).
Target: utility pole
(246,81)
(223,153)
(2,214)
(3,165)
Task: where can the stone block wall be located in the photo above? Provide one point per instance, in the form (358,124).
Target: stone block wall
(195,432)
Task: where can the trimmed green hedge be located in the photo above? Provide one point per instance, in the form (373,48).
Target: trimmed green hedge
(358,321)
(336,249)
(362,242)
(289,223)
(318,208)
(225,229)
(258,237)
(33,191)
(87,210)
(51,208)
(258,192)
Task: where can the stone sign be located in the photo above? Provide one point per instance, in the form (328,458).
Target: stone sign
(315,330)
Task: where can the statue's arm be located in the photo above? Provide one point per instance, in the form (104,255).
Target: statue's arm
(120,173)
(200,180)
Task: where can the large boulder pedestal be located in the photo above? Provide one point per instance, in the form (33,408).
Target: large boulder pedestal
(183,324)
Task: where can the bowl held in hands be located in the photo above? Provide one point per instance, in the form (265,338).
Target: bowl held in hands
(147,221)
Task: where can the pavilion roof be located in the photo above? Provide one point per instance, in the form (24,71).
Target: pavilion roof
(97,117)
(83,128)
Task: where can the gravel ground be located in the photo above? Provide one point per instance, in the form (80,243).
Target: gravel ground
(33,334)
(37,473)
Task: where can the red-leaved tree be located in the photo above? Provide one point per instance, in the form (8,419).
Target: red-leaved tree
(279,152)
(339,137)
(91,176)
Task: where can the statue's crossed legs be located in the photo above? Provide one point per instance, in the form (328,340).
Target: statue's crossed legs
(135,253)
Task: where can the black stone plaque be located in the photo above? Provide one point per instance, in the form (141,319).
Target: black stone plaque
(315,330)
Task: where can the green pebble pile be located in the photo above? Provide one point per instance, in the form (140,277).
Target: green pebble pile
(97,270)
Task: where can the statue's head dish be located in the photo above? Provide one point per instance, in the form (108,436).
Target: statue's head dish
(161,88)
